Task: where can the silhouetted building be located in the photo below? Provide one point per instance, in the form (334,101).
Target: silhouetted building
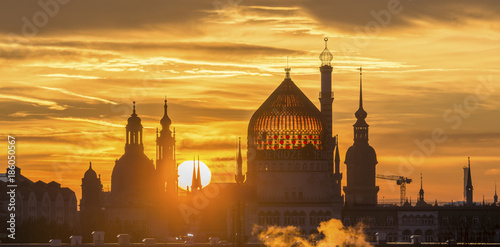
(91,205)
(136,201)
(361,161)
(290,158)
(43,210)
(133,176)
(166,165)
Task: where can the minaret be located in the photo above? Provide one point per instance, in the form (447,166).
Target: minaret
(361,161)
(469,188)
(239,177)
(165,156)
(134,134)
(326,94)
(495,197)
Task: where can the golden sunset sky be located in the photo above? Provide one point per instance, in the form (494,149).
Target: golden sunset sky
(71,69)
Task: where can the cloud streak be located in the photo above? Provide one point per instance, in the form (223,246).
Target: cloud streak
(51,104)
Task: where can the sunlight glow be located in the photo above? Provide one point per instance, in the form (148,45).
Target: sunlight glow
(185,172)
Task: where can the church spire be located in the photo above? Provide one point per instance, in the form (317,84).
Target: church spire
(239,177)
(361,113)
(361,127)
(421,192)
(469,188)
(495,197)
(194,178)
(198,176)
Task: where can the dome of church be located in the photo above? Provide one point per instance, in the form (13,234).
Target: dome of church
(90,173)
(132,174)
(286,120)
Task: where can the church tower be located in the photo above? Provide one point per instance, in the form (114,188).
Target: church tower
(469,188)
(361,161)
(495,197)
(91,216)
(133,177)
(166,166)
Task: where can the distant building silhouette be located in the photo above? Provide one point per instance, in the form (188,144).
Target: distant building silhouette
(468,187)
(361,161)
(91,204)
(293,178)
(43,210)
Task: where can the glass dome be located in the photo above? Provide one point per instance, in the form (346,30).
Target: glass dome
(286,120)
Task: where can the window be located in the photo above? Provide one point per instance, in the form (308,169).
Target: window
(390,221)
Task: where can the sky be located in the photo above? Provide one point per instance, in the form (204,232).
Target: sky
(70,70)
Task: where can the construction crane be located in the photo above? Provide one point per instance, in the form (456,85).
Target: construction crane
(401,181)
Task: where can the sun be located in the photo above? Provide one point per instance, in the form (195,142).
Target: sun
(185,171)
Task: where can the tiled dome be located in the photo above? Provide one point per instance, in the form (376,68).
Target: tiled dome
(286,120)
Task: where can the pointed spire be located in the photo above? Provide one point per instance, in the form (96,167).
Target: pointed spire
(495,197)
(198,175)
(133,112)
(421,187)
(194,179)
(421,192)
(361,113)
(361,87)
(337,155)
(469,177)
(239,165)
(90,168)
